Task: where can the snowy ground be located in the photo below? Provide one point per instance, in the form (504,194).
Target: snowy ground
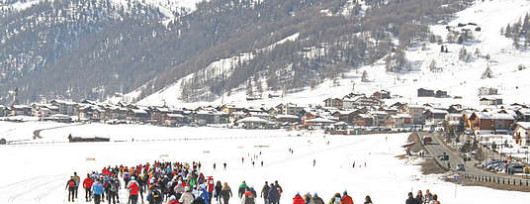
(38,173)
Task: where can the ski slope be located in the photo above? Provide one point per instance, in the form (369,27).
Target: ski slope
(38,173)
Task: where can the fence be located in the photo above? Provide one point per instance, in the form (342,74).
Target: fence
(524,182)
(179,139)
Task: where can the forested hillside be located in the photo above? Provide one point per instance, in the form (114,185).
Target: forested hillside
(92,49)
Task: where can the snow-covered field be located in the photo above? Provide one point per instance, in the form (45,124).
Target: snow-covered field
(38,173)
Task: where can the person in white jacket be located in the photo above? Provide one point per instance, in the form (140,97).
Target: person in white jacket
(187,197)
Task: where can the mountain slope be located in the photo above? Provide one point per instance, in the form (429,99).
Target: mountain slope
(93,49)
(458,77)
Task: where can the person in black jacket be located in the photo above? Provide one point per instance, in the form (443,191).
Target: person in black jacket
(274,195)
(412,200)
(217,192)
(265,193)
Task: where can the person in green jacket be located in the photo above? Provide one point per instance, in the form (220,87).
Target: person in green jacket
(242,189)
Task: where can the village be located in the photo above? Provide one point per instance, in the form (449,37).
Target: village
(351,114)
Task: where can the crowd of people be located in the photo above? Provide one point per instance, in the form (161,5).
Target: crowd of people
(183,183)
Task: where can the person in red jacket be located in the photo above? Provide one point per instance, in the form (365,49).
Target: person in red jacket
(210,188)
(346,199)
(298,199)
(133,187)
(70,185)
(87,185)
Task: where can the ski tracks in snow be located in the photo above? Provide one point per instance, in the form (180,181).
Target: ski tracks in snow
(33,189)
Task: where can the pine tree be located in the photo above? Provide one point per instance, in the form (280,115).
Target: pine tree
(487,73)
(462,55)
(508,31)
(250,92)
(364,77)
(432,66)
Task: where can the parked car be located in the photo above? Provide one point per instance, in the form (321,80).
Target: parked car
(460,167)
(515,169)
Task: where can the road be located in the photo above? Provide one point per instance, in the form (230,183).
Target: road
(438,148)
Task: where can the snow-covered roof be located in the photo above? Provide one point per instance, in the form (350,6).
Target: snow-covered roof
(262,114)
(364,116)
(252,120)
(455,115)
(494,116)
(65,102)
(287,116)
(416,106)
(397,116)
(175,115)
(319,120)
(524,125)
(238,113)
(138,111)
(438,111)
(379,113)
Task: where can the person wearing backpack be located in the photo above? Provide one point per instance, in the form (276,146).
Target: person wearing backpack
(316,200)
(133,187)
(113,191)
(155,196)
(70,185)
(248,198)
(77,181)
(242,189)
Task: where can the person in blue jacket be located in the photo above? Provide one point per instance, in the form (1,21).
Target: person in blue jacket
(97,189)
(274,195)
(204,195)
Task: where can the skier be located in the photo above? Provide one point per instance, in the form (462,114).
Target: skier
(87,185)
(70,185)
(224,165)
(314,162)
(213,166)
(261,163)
